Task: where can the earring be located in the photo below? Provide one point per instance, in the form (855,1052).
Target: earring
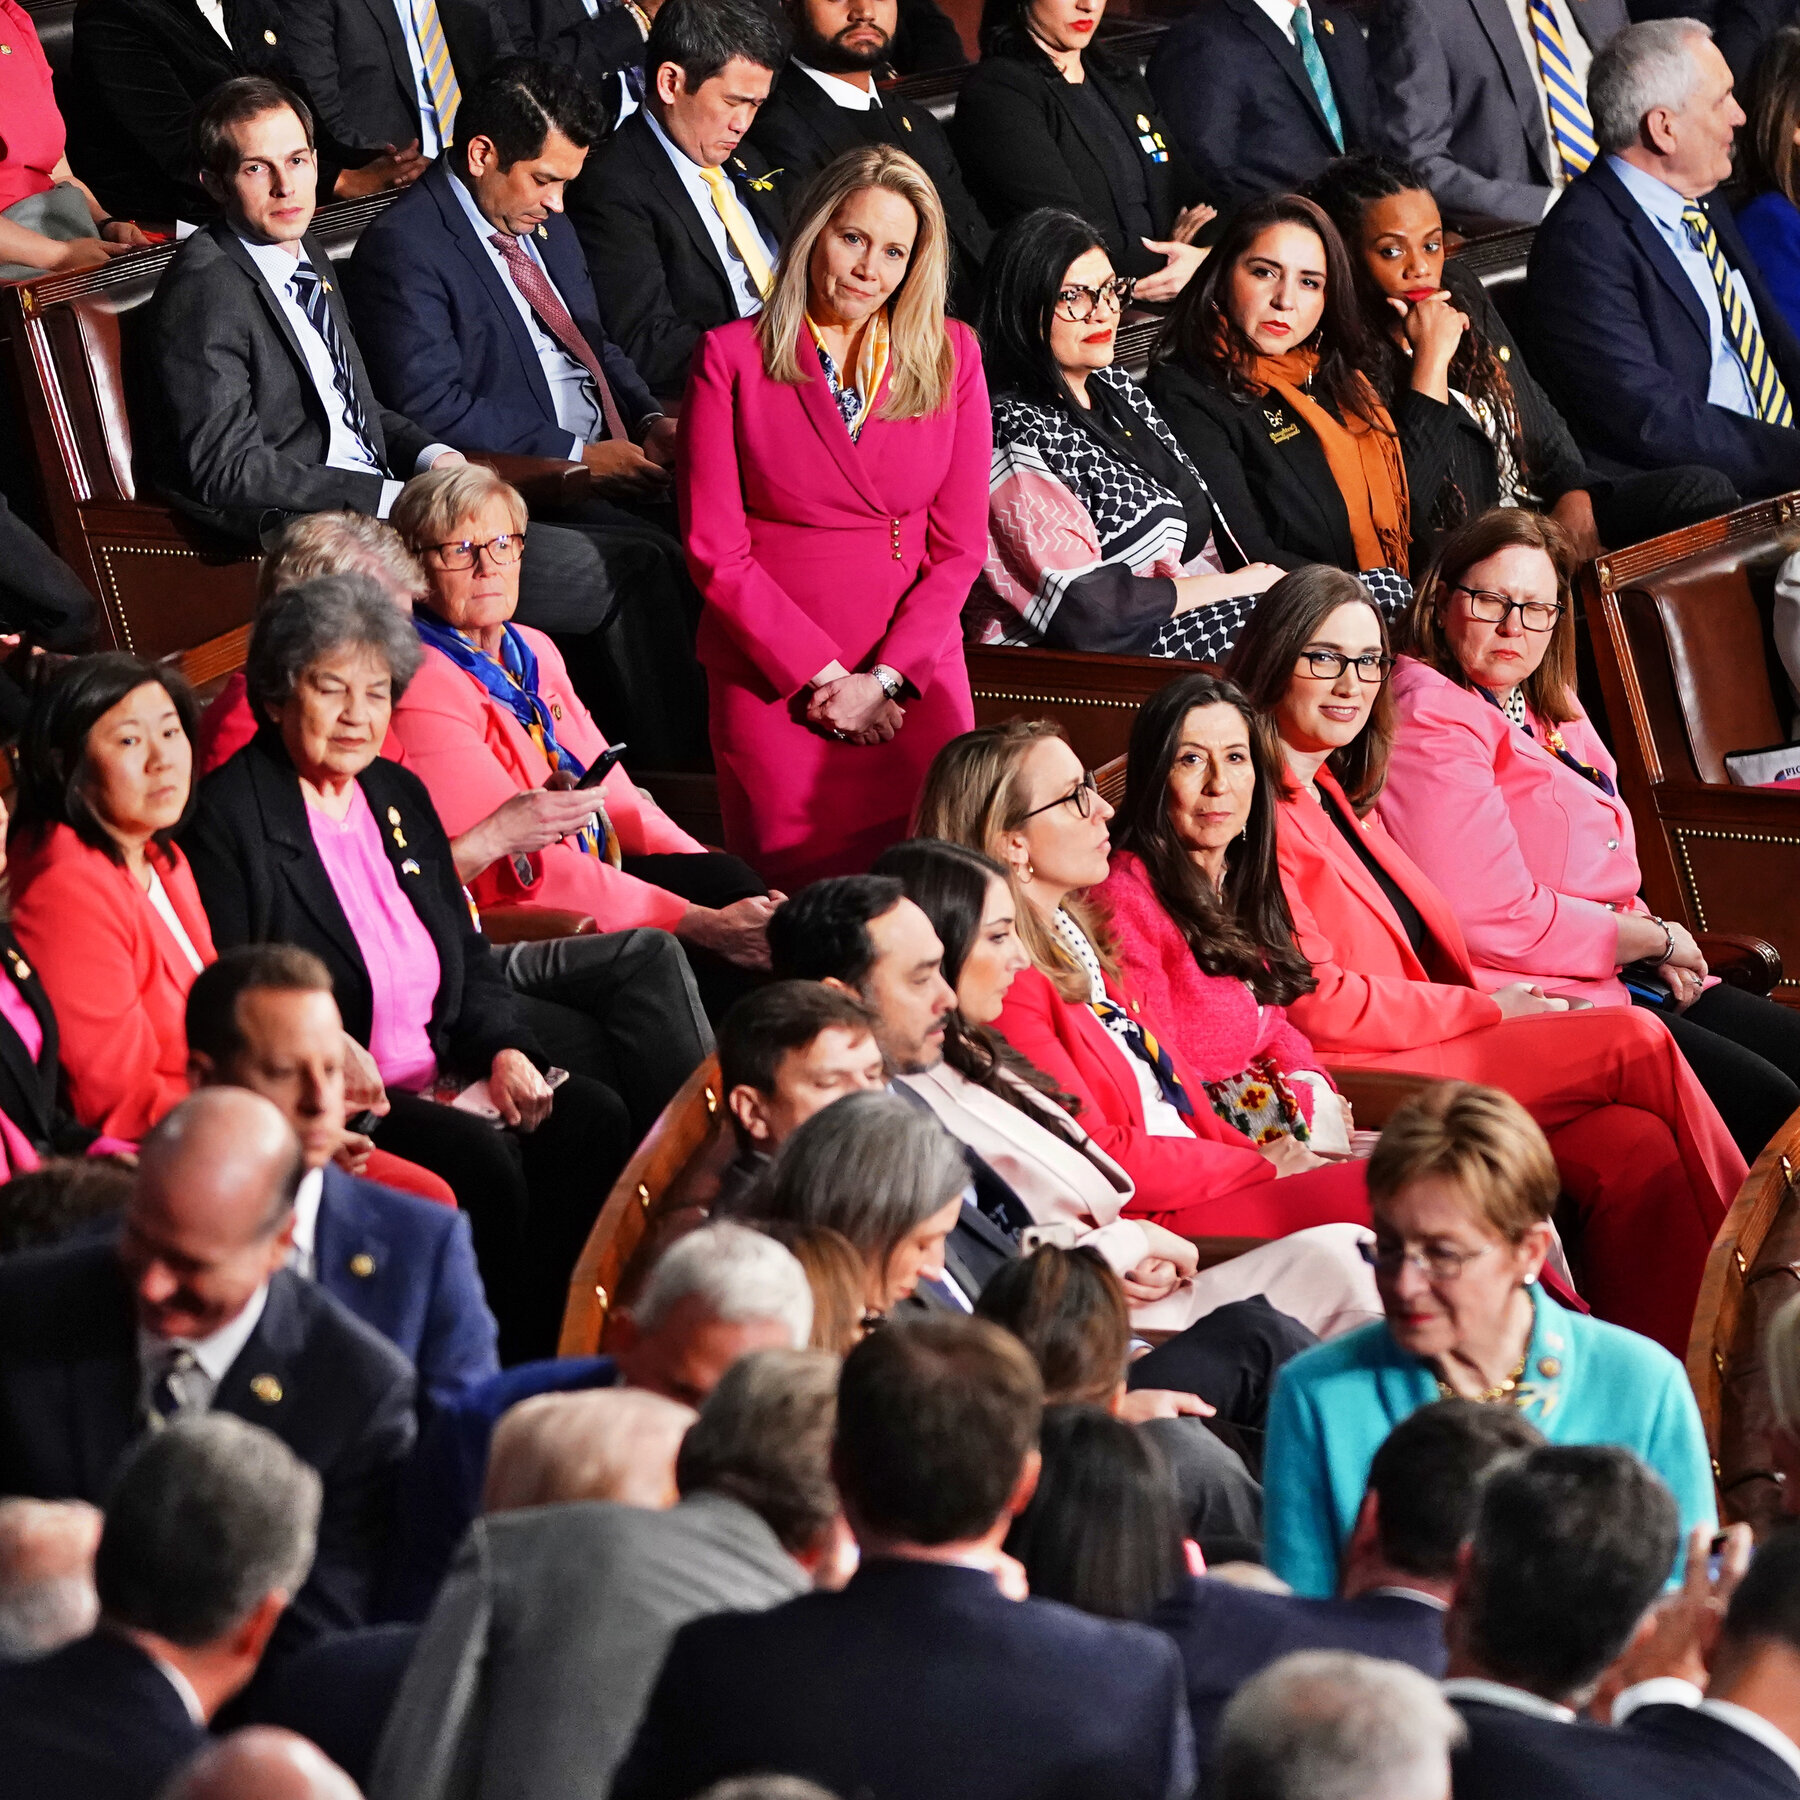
(1029,872)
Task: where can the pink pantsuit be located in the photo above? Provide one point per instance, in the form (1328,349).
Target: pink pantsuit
(810,548)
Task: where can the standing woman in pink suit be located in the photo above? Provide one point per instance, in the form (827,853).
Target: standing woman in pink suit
(832,473)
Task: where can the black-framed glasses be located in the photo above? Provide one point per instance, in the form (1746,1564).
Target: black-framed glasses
(1078,304)
(1492,609)
(1436,1265)
(1082,797)
(502,551)
(1327,665)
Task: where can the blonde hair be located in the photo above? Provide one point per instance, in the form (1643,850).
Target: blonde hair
(432,505)
(921,362)
(974,795)
(1481,1141)
(599,1444)
(340,543)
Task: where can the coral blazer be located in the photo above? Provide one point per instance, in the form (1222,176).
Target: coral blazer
(114,973)
(1536,861)
(1375,994)
(473,756)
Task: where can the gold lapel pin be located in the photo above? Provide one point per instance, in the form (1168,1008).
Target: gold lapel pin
(544,231)
(1330,29)
(267,1389)
(905,123)
(362,1265)
(20,966)
(268,37)
(409,867)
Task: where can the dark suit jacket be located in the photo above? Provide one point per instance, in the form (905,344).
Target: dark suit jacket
(444,338)
(1021,145)
(1742,27)
(1226,1634)
(918,1682)
(339,1396)
(406,1268)
(925,38)
(96,1720)
(1458,97)
(339,1692)
(800,128)
(245,432)
(262,882)
(1237,97)
(660,282)
(40,595)
(31,1091)
(596,49)
(350,56)
(1616,332)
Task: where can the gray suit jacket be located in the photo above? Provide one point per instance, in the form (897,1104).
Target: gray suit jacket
(1457,96)
(537,1661)
(245,432)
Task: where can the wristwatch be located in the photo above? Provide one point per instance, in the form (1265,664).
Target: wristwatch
(892,681)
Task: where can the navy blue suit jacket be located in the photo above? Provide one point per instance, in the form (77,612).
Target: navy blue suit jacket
(1226,1634)
(1618,335)
(406,1266)
(920,1681)
(438,325)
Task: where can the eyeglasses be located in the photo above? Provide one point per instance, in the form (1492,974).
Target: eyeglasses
(1082,797)
(1079,304)
(1434,1265)
(1328,665)
(1492,609)
(502,551)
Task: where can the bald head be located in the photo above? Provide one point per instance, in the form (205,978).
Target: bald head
(262,1762)
(211,1211)
(603,1444)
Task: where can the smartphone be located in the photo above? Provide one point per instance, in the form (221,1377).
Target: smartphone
(604,764)
(365,1122)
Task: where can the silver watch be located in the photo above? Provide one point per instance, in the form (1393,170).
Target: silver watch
(892,681)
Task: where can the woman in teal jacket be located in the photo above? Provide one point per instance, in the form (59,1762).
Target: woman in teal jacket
(1462,1186)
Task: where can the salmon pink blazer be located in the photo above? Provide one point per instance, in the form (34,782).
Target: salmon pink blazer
(115,975)
(1535,860)
(473,756)
(1375,995)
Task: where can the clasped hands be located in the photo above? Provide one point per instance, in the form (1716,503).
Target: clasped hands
(853,708)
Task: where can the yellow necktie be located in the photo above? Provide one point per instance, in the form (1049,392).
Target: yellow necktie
(739,229)
(440,75)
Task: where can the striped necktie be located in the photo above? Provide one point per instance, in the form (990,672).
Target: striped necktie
(310,289)
(1571,125)
(1314,63)
(440,74)
(1772,403)
(739,229)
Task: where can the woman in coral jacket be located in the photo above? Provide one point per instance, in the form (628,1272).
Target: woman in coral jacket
(1641,1148)
(1503,793)
(1018,792)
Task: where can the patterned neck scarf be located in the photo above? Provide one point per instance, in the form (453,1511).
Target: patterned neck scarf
(1513,706)
(856,399)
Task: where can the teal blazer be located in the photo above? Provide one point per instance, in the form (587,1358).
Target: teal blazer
(1586,1382)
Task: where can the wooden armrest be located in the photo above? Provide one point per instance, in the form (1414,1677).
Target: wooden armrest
(1375,1095)
(532,924)
(543,480)
(1741,961)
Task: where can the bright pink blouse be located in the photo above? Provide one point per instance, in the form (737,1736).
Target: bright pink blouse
(31,129)
(15,1009)
(397,950)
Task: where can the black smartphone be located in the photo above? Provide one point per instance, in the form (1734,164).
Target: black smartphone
(365,1122)
(604,764)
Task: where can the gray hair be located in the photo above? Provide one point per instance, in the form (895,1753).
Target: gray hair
(1329,1725)
(739,1273)
(595,1444)
(1644,67)
(208,1517)
(301,625)
(767,1787)
(1781,1359)
(340,543)
(45,1602)
(764,1438)
(871,1166)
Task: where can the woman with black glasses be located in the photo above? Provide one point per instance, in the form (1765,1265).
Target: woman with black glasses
(1101,534)
(1504,794)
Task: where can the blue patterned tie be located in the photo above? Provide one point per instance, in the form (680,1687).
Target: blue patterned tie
(1771,397)
(1317,73)
(1571,124)
(309,289)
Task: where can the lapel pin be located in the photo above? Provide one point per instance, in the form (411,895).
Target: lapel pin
(393,815)
(1506,352)
(544,232)
(556,709)
(362,1265)
(267,1389)
(1330,29)
(268,37)
(20,967)
(905,123)
(1549,1367)
(409,867)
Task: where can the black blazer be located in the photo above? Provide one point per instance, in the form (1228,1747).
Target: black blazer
(1020,144)
(660,282)
(339,1396)
(96,1718)
(338,1693)
(918,1682)
(1237,97)
(31,1091)
(1742,27)
(350,56)
(244,431)
(262,882)
(595,50)
(925,38)
(800,128)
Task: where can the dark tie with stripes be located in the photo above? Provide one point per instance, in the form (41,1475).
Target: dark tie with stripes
(310,290)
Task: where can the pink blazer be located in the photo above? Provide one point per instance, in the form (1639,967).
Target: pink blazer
(473,755)
(1535,860)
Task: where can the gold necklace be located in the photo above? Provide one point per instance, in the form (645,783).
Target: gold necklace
(1503,1390)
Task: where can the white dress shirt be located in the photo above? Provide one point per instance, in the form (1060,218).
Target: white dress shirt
(1280,14)
(743,289)
(303,1259)
(158,896)
(431,135)
(1580,57)
(572,391)
(847,94)
(213,12)
(182,1686)
(213,1356)
(1496,1693)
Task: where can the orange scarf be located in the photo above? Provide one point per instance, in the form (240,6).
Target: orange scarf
(1364,459)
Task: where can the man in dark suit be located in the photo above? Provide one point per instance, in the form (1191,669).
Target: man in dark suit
(825,102)
(191,1311)
(1399,1568)
(922,1678)
(1646,318)
(262,1017)
(1742,27)
(1260,103)
(680,218)
(1488,104)
(208,1531)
